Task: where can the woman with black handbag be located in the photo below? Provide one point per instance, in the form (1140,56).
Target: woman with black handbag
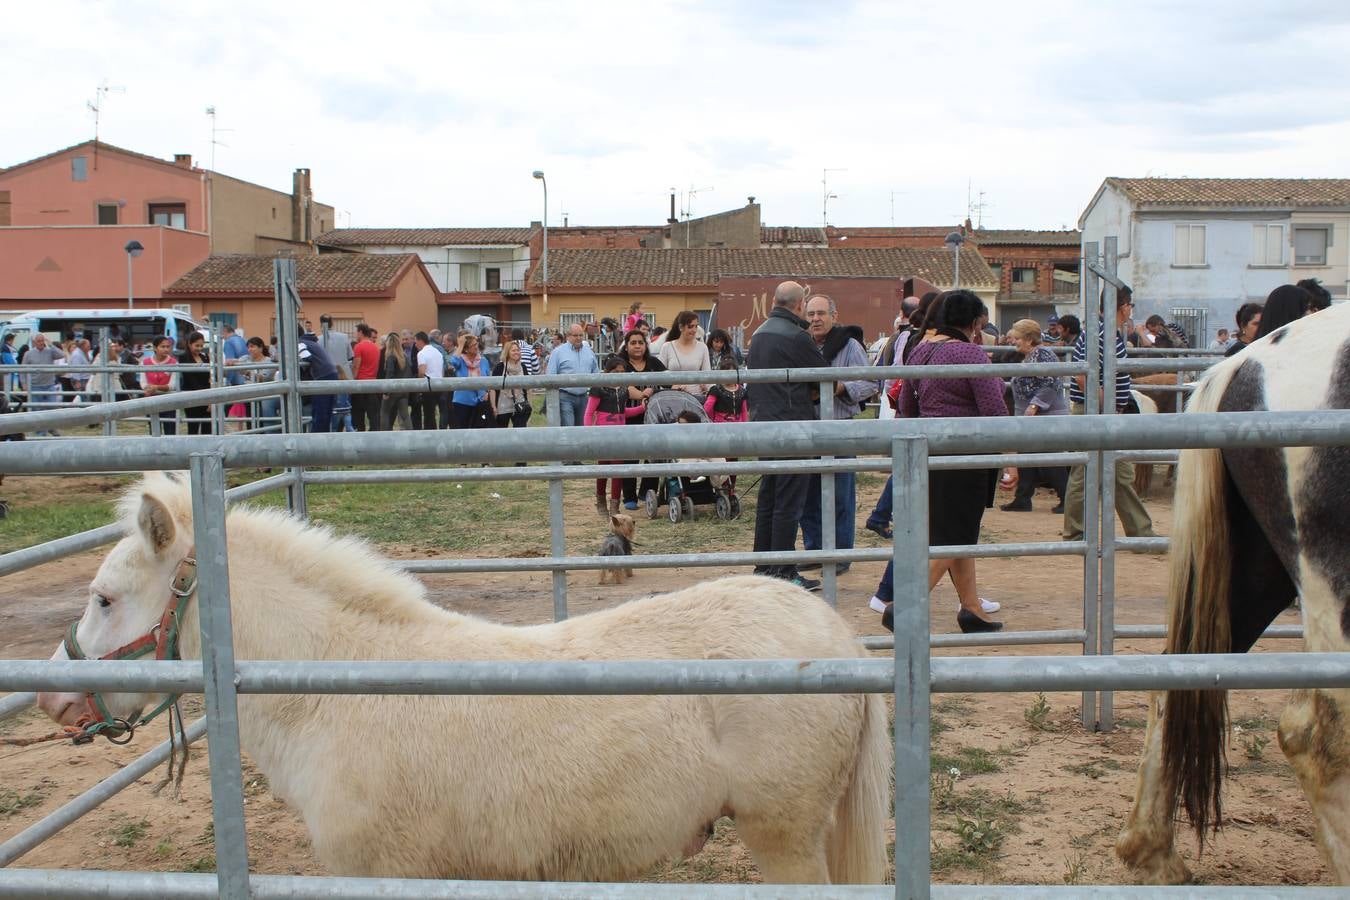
(511,404)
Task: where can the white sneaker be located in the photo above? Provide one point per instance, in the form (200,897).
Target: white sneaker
(877,604)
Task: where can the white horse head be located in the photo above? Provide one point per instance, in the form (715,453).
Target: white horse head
(128,596)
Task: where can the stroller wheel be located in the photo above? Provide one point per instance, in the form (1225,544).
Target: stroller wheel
(687,502)
(653,504)
(674,511)
(722,507)
(735,506)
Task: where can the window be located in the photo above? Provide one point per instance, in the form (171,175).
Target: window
(1188,248)
(1310,246)
(567,320)
(170,215)
(1024,280)
(79,168)
(997,269)
(1268,245)
(218,319)
(468,277)
(494,279)
(347,325)
(107,214)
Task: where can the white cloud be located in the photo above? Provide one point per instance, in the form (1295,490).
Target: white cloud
(423,113)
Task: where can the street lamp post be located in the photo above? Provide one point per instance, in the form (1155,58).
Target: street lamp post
(538,173)
(134,249)
(953,243)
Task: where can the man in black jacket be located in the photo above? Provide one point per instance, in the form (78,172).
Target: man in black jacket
(782,343)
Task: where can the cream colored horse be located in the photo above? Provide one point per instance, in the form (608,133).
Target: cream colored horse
(573,788)
(1253,529)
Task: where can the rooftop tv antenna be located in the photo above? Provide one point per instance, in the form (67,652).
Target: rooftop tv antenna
(895,194)
(96,105)
(975,205)
(826,196)
(215,142)
(688,212)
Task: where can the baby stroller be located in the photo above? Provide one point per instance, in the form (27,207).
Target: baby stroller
(683,493)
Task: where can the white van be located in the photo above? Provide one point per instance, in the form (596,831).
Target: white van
(135,326)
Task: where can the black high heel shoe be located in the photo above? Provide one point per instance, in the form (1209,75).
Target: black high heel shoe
(971,623)
(888,618)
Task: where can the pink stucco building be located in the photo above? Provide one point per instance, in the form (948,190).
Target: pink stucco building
(66,218)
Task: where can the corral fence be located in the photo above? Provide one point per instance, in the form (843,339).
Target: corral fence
(907,448)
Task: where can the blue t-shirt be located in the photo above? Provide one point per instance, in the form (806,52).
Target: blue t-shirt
(461,367)
(234,347)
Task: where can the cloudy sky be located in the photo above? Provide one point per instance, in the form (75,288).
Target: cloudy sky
(420,114)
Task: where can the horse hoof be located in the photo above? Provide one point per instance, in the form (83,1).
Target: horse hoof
(1150,865)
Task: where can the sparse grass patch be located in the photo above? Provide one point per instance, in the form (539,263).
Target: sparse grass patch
(1261,721)
(1093,768)
(1131,723)
(164,849)
(1037,715)
(1075,866)
(947,859)
(202,864)
(129,833)
(969,760)
(12,801)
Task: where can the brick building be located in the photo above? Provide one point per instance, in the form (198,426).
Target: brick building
(1037,271)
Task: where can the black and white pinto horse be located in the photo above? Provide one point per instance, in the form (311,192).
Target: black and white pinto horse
(1255,528)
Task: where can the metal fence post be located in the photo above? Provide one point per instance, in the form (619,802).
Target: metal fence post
(557,532)
(909,479)
(217,410)
(1106,546)
(222,708)
(288,348)
(1092,321)
(828,538)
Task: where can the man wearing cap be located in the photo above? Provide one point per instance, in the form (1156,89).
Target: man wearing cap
(1052,334)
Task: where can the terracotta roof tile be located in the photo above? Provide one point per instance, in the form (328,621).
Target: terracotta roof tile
(896,231)
(422,237)
(1278,192)
(702,268)
(791,234)
(996,236)
(332,273)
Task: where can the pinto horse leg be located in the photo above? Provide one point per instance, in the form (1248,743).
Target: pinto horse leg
(1147,842)
(1313,737)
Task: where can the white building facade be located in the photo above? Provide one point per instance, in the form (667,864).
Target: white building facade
(1193,250)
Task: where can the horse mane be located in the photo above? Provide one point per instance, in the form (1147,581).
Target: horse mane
(347,569)
(1195,722)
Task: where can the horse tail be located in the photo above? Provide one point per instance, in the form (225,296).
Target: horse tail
(1195,723)
(856,853)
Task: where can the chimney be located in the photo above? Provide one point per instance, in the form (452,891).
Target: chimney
(182,160)
(672,220)
(750,201)
(301,200)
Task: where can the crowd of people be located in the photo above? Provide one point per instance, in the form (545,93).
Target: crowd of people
(801,331)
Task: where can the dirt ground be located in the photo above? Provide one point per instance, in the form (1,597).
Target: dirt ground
(1063,792)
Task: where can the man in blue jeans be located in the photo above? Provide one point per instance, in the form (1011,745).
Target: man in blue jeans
(574,357)
(841,347)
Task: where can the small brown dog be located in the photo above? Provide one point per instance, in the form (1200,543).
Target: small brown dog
(618,542)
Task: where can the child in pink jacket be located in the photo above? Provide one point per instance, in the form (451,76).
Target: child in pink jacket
(726,403)
(609,406)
